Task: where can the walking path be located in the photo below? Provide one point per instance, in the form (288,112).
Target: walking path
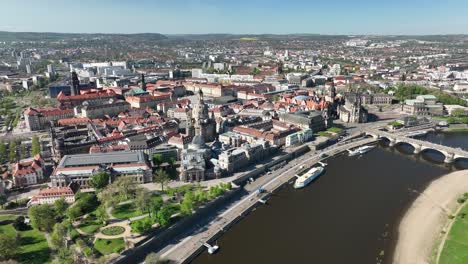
(125,234)
(424,221)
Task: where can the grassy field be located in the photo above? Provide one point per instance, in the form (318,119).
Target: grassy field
(108,246)
(455,248)
(33,245)
(113,230)
(125,211)
(90,225)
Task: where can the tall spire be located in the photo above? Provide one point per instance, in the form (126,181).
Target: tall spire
(75,83)
(143,84)
(200,95)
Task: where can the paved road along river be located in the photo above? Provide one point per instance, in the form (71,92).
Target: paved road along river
(349,215)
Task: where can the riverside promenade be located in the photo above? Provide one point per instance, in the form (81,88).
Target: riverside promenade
(192,245)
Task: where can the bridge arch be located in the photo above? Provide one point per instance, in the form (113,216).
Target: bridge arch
(447,158)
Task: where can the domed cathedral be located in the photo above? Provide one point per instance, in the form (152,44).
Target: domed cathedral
(204,125)
(195,157)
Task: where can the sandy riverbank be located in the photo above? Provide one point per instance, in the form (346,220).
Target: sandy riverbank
(422,224)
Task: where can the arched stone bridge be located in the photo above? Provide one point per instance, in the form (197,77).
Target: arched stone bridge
(450,154)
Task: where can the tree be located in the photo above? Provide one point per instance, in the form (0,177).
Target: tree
(458,113)
(35,146)
(22,151)
(153,258)
(74,212)
(19,224)
(64,256)
(57,238)
(101,214)
(126,187)
(109,196)
(186,207)
(122,189)
(162,178)
(8,246)
(88,202)
(200,196)
(164,215)
(158,159)
(3,200)
(100,180)
(172,168)
(12,151)
(42,217)
(3,152)
(60,206)
(142,226)
(155,205)
(143,200)
(255,71)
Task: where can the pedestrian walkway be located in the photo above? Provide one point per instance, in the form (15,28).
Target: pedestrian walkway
(125,234)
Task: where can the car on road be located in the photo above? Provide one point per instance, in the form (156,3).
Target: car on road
(323,155)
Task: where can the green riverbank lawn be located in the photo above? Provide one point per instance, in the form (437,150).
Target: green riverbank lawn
(455,248)
(33,245)
(109,246)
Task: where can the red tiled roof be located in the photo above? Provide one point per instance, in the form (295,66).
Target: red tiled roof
(56,191)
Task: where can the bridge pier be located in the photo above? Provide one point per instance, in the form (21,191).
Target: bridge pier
(449,158)
(417,149)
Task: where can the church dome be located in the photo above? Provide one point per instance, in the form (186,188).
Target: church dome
(197,142)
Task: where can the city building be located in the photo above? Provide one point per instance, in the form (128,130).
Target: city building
(353,111)
(299,137)
(99,110)
(423,105)
(52,194)
(81,167)
(28,171)
(233,159)
(41,118)
(314,120)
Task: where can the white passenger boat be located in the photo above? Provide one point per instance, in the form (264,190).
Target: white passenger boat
(360,150)
(303,180)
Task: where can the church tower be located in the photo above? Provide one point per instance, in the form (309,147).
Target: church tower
(143,84)
(200,114)
(75,83)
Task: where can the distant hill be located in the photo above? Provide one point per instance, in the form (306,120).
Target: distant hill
(253,36)
(50,36)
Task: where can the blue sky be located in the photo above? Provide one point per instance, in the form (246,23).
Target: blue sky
(237,16)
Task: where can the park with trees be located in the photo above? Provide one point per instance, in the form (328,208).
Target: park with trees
(102,222)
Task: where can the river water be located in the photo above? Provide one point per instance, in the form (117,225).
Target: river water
(348,215)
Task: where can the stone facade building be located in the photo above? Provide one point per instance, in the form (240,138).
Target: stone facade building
(423,105)
(41,118)
(81,167)
(28,171)
(231,160)
(353,111)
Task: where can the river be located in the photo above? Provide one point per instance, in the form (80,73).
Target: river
(348,215)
